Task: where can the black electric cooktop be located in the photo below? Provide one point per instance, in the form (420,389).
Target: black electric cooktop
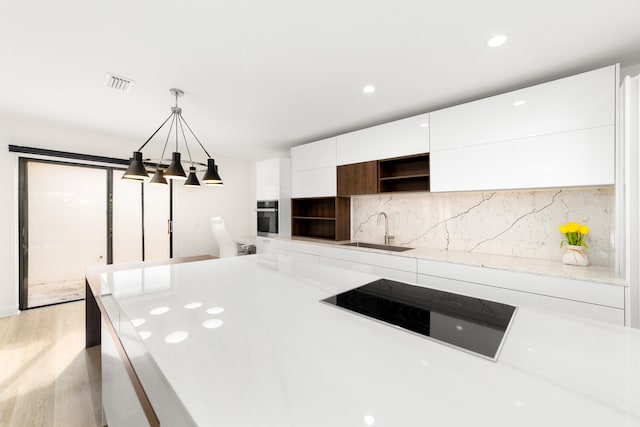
(471,324)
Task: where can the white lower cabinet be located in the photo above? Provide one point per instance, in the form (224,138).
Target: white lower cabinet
(597,301)
(519,298)
(387,273)
(387,266)
(265,245)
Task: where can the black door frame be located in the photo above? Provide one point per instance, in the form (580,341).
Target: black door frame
(23,211)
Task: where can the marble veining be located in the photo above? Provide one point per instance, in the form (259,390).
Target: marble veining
(514,223)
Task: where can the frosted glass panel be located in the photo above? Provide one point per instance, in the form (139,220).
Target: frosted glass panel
(67,222)
(127,220)
(156,217)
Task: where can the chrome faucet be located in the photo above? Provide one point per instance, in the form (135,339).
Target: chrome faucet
(386,227)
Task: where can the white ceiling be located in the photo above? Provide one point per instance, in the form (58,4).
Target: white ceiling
(262,76)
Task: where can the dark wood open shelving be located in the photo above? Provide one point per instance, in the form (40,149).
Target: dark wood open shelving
(410,173)
(321,217)
(420,175)
(315,217)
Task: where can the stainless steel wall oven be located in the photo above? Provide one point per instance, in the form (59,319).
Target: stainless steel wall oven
(267,218)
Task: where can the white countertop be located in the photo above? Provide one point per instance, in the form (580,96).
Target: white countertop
(592,273)
(281,358)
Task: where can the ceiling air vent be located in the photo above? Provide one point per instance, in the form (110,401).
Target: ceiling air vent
(122,84)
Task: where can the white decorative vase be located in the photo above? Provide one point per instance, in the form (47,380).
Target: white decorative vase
(575,256)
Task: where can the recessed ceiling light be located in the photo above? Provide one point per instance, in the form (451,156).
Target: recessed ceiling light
(144,334)
(369,420)
(497,40)
(519,103)
(424,125)
(368,89)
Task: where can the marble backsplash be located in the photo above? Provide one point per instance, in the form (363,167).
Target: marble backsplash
(516,223)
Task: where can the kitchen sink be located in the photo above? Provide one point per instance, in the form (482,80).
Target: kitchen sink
(376,246)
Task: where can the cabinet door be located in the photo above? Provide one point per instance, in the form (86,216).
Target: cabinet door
(264,245)
(514,297)
(314,183)
(268,179)
(395,139)
(582,101)
(315,155)
(358,178)
(579,158)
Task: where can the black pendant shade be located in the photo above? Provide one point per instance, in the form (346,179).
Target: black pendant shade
(175,170)
(158,177)
(136,170)
(211,176)
(192,179)
(178,127)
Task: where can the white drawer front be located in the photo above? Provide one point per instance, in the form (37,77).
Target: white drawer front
(387,273)
(365,257)
(577,290)
(306,248)
(541,302)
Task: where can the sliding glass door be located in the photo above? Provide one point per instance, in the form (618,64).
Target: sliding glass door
(157,229)
(126,224)
(66,229)
(75,216)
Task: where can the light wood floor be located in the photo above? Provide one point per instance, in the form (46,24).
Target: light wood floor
(47,377)
(55,292)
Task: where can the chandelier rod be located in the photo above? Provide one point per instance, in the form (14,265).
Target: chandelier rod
(196,138)
(166,142)
(154,134)
(180,120)
(177,120)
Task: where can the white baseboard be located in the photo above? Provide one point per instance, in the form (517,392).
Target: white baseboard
(9,310)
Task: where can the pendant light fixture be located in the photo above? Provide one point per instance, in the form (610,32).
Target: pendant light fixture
(172,169)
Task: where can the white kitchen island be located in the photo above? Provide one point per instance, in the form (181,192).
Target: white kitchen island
(246,342)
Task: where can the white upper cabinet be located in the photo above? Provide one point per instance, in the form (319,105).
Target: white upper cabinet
(315,155)
(268,179)
(314,183)
(557,134)
(313,168)
(571,159)
(395,139)
(578,102)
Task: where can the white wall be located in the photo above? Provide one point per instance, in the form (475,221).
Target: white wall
(8,231)
(234,201)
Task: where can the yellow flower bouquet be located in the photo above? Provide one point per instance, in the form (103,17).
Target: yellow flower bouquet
(574,233)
